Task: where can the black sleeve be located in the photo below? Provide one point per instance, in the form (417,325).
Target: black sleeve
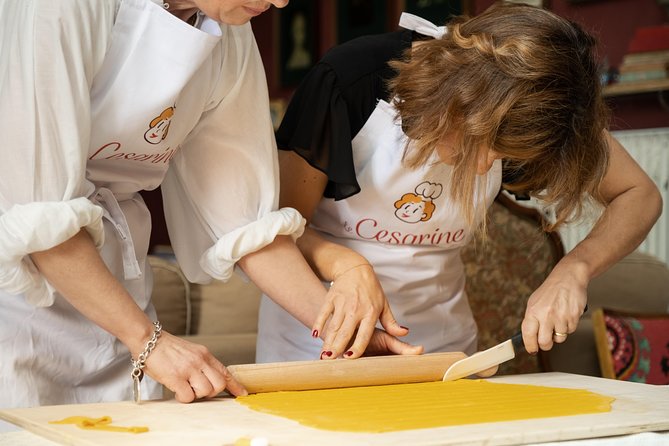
(316,126)
(334,101)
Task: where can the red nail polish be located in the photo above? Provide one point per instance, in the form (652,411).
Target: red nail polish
(314,334)
(349,353)
(328,353)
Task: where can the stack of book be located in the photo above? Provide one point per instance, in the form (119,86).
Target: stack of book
(647,56)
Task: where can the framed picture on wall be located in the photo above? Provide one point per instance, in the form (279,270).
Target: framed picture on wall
(437,11)
(357,18)
(297,41)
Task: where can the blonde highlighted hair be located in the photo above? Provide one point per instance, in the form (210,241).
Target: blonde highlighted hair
(521,81)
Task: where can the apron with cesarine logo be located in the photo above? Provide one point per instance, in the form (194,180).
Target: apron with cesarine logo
(405,224)
(143,104)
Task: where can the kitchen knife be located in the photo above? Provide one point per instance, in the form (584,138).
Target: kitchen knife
(481,361)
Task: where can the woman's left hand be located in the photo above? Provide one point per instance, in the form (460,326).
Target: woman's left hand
(554,309)
(355,302)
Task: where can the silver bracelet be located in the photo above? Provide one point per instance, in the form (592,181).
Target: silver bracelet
(138,366)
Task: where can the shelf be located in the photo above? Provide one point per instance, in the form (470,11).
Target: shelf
(636,87)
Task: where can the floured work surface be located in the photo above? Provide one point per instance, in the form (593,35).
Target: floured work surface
(637,408)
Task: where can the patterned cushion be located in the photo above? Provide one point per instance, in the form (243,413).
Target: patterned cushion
(504,270)
(638,283)
(632,346)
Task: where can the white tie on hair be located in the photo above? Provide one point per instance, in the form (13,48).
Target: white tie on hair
(421,26)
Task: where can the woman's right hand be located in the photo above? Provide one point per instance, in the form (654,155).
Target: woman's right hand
(189,370)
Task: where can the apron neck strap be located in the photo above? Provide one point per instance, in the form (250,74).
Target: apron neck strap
(421,26)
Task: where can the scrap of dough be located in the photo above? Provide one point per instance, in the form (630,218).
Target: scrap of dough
(425,405)
(101,424)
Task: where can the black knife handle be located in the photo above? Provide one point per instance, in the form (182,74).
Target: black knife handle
(517,342)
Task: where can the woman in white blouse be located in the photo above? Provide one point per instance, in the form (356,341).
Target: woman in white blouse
(99,100)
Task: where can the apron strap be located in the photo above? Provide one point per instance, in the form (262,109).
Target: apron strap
(421,26)
(113,213)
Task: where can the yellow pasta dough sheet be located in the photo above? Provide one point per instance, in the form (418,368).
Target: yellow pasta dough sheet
(425,405)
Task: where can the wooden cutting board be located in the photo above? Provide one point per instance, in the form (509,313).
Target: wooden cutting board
(222,421)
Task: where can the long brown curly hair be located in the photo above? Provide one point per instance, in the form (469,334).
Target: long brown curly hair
(521,81)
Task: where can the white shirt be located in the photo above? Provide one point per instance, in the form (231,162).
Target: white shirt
(221,186)
(100,99)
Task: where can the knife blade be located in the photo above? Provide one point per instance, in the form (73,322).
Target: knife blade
(495,355)
(484,360)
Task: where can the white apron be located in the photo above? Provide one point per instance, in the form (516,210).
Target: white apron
(139,116)
(408,228)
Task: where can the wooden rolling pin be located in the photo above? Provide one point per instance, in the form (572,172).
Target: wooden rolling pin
(330,374)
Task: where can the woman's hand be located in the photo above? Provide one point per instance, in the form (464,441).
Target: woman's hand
(382,343)
(355,301)
(555,308)
(632,205)
(189,370)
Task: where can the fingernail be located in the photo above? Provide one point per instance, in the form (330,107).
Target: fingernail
(533,353)
(402,326)
(314,334)
(328,353)
(349,353)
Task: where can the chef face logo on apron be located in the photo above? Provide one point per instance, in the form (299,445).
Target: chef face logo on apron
(157,132)
(419,206)
(159,126)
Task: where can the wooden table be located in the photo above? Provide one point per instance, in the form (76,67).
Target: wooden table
(222,421)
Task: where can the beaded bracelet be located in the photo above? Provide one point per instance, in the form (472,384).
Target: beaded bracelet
(138,366)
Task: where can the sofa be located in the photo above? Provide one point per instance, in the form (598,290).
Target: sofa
(221,315)
(501,274)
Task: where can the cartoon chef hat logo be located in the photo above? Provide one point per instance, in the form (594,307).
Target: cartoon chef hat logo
(418,206)
(429,191)
(159,126)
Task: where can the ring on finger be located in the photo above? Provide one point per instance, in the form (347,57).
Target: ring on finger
(560,335)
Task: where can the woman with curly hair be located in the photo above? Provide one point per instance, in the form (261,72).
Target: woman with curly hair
(394,147)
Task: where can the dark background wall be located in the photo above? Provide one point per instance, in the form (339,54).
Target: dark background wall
(328,22)
(613,22)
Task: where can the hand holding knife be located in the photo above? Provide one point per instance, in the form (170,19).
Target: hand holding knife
(486,359)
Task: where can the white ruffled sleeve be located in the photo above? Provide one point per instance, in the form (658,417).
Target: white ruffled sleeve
(50,52)
(36,227)
(221,192)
